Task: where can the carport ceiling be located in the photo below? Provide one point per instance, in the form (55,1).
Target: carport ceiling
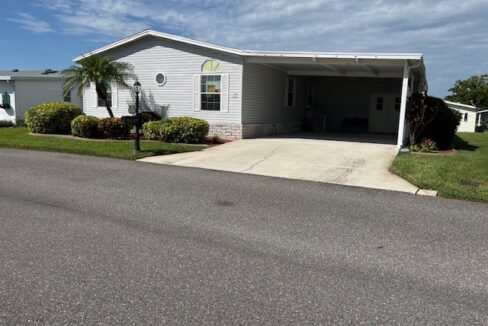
(389,66)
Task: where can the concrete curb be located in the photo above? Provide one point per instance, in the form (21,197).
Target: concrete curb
(426,192)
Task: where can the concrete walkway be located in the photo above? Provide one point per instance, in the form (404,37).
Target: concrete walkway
(351,163)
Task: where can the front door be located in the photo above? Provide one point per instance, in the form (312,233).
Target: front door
(384,113)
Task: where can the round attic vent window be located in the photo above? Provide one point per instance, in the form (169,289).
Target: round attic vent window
(161,79)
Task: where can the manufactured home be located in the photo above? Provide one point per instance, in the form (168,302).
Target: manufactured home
(246,94)
(20,90)
(471,116)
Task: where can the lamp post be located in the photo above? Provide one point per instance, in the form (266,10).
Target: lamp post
(137,145)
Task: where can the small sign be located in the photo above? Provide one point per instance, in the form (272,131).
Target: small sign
(132,109)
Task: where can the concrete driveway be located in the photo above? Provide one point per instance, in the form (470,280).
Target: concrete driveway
(334,158)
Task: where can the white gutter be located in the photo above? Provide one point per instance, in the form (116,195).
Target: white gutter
(461,105)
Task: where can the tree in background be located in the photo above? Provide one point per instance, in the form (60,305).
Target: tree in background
(100,71)
(471,91)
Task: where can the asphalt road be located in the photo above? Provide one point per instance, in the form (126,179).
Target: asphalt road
(98,241)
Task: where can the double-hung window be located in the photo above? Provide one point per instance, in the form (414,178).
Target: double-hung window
(211,92)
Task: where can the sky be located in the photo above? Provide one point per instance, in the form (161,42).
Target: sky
(452,35)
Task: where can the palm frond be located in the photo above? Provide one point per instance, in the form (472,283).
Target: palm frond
(99,70)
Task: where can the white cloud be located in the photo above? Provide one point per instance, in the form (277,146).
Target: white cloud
(30,23)
(451,34)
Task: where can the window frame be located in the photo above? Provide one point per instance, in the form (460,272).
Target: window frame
(220,93)
(293,92)
(380,103)
(465,117)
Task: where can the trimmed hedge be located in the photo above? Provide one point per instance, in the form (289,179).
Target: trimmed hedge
(113,128)
(153,129)
(51,118)
(177,130)
(85,126)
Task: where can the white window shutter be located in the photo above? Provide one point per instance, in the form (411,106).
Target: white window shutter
(115,97)
(196,93)
(93,95)
(224,101)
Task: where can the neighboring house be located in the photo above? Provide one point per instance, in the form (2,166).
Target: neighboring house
(23,89)
(471,116)
(245,94)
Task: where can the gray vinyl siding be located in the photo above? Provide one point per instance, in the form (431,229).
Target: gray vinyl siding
(264,96)
(179,62)
(28,93)
(33,92)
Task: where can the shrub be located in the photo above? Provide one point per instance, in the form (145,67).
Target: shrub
(147,116)
(51,118)
(177,130)
(6,123)
(153,129)
(443,128)
(426,146)
(429,117)
(113,128)
(85,126)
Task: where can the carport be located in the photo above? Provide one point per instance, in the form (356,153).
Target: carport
(350,92)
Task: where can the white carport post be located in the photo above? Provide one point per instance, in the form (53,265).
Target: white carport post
(403,105)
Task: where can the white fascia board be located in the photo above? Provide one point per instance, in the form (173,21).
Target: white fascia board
(5,78)
(461,105)
(163,36)
(335,55)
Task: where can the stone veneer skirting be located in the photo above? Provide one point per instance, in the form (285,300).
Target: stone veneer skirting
(233,131)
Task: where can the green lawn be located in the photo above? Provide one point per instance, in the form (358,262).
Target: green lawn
(123,149)
(463,175)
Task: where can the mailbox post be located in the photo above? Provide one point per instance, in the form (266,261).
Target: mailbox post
(137,143)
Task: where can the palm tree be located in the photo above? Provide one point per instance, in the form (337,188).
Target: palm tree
(101,71)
